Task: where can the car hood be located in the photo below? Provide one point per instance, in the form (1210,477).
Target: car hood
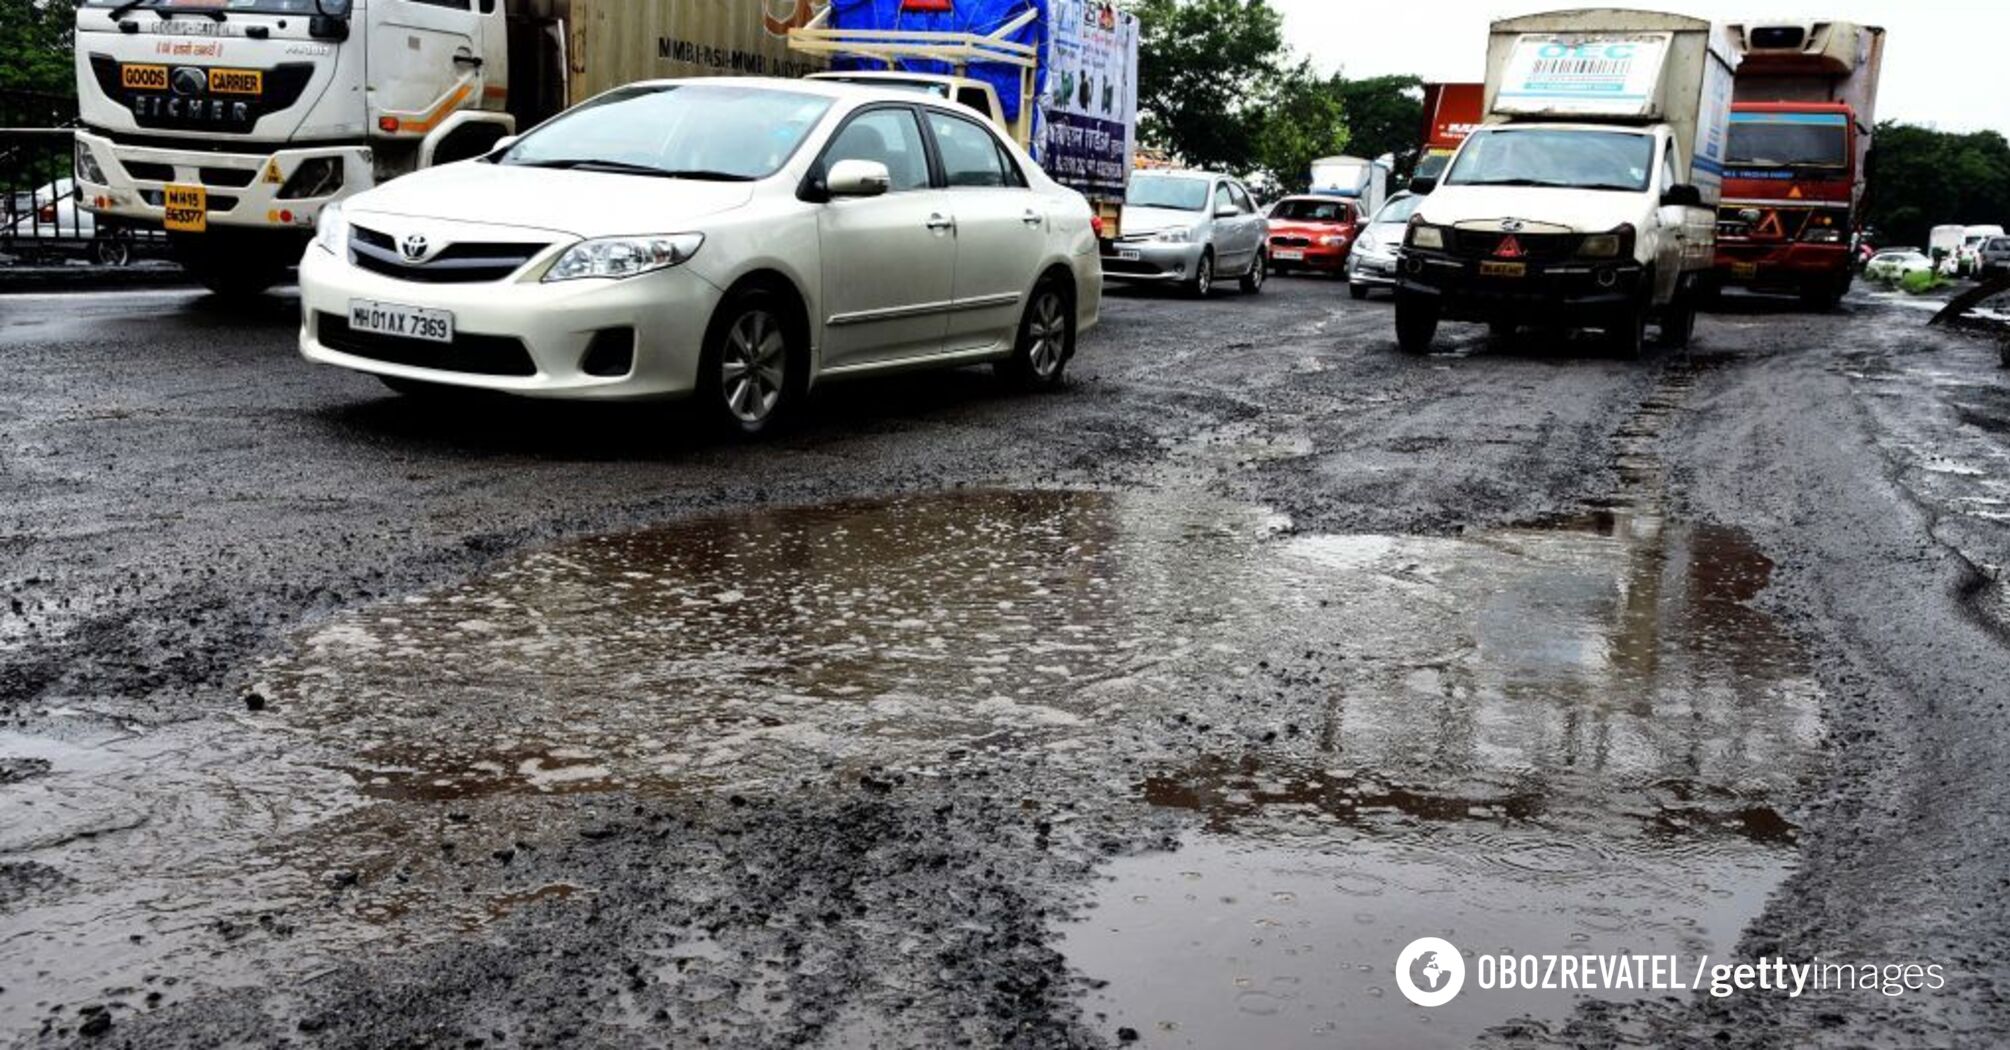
(1581,211)
(1139,220)
(579,203)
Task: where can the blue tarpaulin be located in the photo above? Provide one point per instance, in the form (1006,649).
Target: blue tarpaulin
(981,17)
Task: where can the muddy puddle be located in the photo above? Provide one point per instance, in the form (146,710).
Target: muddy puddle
(1577,736)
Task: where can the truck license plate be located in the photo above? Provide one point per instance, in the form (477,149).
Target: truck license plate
(1745,270)
(1503,269)
(186,207)
(403,322)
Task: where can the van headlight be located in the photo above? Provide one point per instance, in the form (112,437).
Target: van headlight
(1607,245)
(331,230)
(617,257)
(1426,236)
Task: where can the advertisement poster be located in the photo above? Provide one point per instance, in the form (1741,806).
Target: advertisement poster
(1091,99)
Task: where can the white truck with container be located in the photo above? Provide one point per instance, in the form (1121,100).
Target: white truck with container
(1588,197)
(232,123)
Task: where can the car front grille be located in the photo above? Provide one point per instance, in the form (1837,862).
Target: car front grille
(1534,247)
(1292,242)
(470,262)
(488,355)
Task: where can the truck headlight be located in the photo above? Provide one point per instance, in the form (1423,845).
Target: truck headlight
(1424,235)
(331,231)
(1830,235)
(618,257)
(1607,245)
(87,166)
(1177,235)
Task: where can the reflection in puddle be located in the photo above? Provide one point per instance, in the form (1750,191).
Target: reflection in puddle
(1514,738)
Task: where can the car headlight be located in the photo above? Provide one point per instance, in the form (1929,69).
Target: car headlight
(87,166)
(1424,235)
(1607,245)
(331,230)
(1367,243)
(615,258)
(1178,235)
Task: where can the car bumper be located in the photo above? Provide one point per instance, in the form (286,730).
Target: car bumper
(1574,290)
(239,189)
(517,336)
(1377,270)
(1780,265)
(1152,261)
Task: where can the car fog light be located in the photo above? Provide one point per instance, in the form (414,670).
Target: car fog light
(1607,277)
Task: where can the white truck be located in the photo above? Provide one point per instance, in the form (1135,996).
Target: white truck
(232,123)
(1588,198)
(1358,179)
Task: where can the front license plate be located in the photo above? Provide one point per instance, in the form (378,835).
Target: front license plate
(1744,269)
(1128,256)
(1503,269)
(403,322)
(1288,255)
(187,208)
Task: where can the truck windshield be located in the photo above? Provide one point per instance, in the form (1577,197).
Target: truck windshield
(1572,158)
(268,7)
(715,132)
(1811,140)
(1165,191)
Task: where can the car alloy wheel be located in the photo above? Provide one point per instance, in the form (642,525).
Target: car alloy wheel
(1259,269)
(1203,277)
(1047,335)
(753,366)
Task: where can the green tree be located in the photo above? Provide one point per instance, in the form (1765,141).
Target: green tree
(1920,178)
(1385,115)
(1204,71)
(35,38)
(1301,118)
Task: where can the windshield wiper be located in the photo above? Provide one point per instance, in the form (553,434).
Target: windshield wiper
(626,168)
(1516,182)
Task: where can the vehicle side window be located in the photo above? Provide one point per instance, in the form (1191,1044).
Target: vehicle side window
(1013,175)
(1241,198)
(1668,176)
(1222,197)
(458,5)
(890,136)
(970,155)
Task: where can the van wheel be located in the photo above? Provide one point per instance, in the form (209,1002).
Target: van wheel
(1416,323)
(1357,292)
(747,379)
(1678,322)
(1202,281)
(1626,336)
(1045,343)
(1259,268)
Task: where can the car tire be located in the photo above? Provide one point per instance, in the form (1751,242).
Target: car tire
(1202,282)
(1046,340)
(1416,323)
(111,251)
(1259,270)
(748,374)
(1357,292)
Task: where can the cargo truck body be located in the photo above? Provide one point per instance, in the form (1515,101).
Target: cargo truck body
(1451,112)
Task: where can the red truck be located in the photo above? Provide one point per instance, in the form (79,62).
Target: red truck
(1451,112)
(1804,103)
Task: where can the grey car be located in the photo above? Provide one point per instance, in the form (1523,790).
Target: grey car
(1372,263)
(1994,258)
(1191,229)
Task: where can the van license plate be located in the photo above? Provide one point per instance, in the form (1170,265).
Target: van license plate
(186,208)
(403,322)
(1503,269)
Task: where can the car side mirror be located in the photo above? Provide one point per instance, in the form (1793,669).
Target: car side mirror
(1422,184)
(1682,195)
(858,178)
(1226,211)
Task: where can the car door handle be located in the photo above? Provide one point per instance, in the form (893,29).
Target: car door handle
(471,61)
(939,221)
(1033,218)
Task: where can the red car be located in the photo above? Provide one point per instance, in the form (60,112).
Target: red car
(1312,233)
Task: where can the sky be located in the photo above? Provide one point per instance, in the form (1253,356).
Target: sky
(1946,62)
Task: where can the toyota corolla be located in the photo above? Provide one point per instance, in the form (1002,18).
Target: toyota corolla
(731,241)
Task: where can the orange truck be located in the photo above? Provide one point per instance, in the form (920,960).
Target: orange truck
(1803,106)
(1451,112)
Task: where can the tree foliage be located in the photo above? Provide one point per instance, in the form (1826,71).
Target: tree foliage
(1923,177)
(35,40)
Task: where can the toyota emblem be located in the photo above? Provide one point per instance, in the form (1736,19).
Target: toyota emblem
(415,246)
(188,80)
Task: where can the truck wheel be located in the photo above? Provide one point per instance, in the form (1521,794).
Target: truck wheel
(1416,323)
(1825,295)
(1259,268)
(232,266)
(1202,281)
(111,251)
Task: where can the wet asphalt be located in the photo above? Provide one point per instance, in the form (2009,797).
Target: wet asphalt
(1162,710)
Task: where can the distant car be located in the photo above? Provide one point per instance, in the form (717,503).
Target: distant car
(1968,257)
(1893,264)
(1994,259)
(1189,228)
(1372,263)
(48,222)
(1312,233)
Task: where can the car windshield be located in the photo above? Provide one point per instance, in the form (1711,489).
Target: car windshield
(1306,210)
(2000,244)
(712,131)
(1818,140)
(1563,157)
(1166,191)
(1397,210)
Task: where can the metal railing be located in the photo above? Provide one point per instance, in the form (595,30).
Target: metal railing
(42,217)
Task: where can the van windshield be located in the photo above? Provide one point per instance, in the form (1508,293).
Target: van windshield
(690,131)
(1578,159)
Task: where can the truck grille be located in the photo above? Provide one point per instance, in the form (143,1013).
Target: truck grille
(472,262)
(163,108)
(1535,247)
(488,355)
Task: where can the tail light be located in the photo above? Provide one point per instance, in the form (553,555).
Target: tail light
(47,213)
(1096,225)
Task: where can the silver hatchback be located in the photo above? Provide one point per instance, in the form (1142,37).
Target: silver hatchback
(1189,228)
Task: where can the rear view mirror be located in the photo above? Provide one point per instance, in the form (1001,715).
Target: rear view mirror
(858,178)
(1682,195)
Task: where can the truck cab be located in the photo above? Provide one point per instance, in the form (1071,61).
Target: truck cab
(233,126)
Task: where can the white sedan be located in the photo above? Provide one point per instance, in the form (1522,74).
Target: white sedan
(1894,264)
(730,240)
